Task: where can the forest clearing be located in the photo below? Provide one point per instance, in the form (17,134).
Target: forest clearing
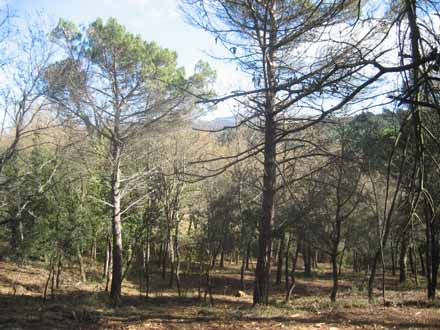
(79,305)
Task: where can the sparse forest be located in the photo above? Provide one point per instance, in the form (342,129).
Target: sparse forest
(126,204)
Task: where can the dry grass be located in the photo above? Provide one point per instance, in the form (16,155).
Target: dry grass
(84,306)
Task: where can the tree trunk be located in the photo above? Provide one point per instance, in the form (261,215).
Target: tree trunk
(355,261)
(172,263)
(110,265)
(422,261)
(393,258)
(315,259)
(264,252)
(177,258)
(52,284)
(164,256)
(214,258)
(243,267)
(46,286)
(262,271)
(289,289)
(248,255)
(115,291)
(59,270)
(280,261)
(107,261)
(403,258)
(93,250)
(222,258)
(334,258)
(373,276)
(413,262)
(82,271)
(286,262)
(147,253)
(307,259)
(341,261)
(432,253)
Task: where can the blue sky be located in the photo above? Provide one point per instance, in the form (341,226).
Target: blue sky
(154,20)
(157,20)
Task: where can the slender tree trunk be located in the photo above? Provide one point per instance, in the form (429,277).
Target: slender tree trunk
(93,250)
(414,264)
(334,259)
(403,258)
(107,261)
(422,261)
(49,277)
(393,258)
(164,256)
(160,255)
(248,255)
(411,261)
(172,263)
(341,261)
(307,259)
(291,287)
(373,276)
(214,258)
(315,259)
(432,254)
(280,261)
(262,271)
(147,254)
(115,291)
(52,284)
(81,266)
(286,261)
(355,261)
(110,265)
(243,267)
(222,258)
(177,258)
(59,270)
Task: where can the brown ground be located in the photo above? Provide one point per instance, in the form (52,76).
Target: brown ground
(85,306)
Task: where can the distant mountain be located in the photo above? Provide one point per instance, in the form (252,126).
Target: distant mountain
(214,124)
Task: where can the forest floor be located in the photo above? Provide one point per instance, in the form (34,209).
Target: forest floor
(79,305)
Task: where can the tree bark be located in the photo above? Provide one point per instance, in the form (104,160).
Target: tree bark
(286,261)
(393,258)
(307,259)
(373,275)
(115,291)
(147,254)
(164,256)
(291,287)
(108,257)
(334,276)
(59,270)
(422,261)
(248,255)
(262,271)
(243,266)
(177,259)
(403,258)
(280,260)
(82,271)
